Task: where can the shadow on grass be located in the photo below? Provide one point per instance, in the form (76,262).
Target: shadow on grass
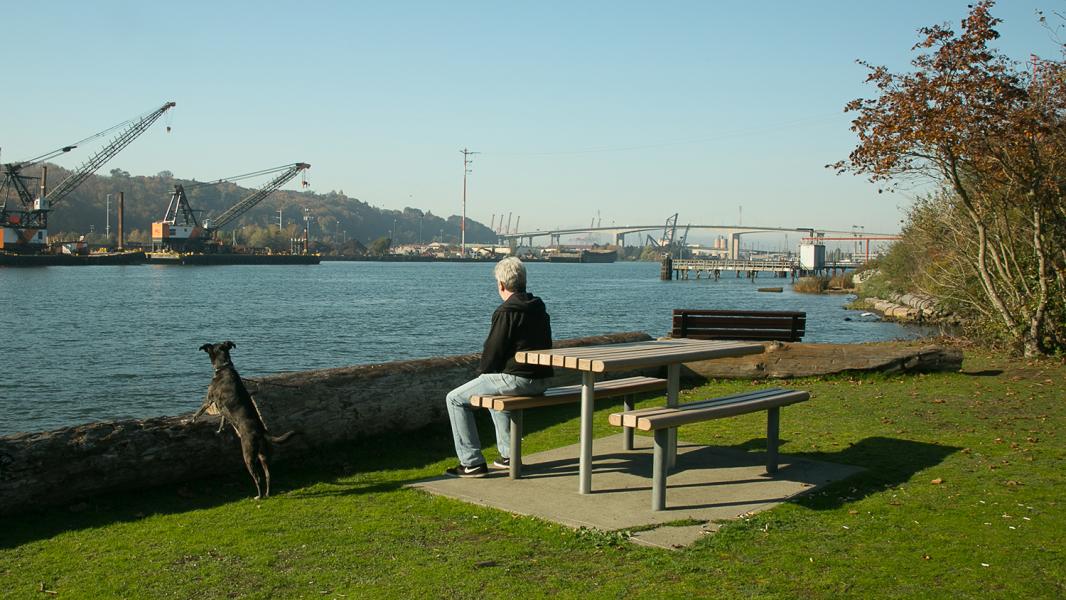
(888,463)
(329,471)
(330,466)
(983,373)
(342,470)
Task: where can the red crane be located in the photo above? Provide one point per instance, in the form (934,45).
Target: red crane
(26,228)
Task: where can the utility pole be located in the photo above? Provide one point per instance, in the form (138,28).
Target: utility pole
(307,230)
(107,219)
(120,220)
(466,169)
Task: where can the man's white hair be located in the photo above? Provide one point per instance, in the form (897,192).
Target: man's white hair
(512,274)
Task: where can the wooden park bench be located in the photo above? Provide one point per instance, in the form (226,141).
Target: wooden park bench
(785,326)
(570,394)
(662,419)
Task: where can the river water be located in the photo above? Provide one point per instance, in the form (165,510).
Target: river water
(83,344)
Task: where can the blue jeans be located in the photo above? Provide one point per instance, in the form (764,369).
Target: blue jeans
(461,414)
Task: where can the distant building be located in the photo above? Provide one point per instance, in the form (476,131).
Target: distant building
(487,251)
(703,252)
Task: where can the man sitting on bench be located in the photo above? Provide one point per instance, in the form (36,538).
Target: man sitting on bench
(520,323)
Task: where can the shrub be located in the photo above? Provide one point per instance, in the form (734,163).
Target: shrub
(811,285)
(842,282)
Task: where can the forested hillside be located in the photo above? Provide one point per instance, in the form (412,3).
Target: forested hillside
(333,216)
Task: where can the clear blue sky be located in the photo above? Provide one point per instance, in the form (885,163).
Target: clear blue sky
(630,110)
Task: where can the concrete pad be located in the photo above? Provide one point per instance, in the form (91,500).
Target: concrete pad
(710,484)
(672,537)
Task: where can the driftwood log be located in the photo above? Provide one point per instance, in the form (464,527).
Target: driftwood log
(785,360)
(325,407)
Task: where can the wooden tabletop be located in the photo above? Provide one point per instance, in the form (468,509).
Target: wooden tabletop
(653,353)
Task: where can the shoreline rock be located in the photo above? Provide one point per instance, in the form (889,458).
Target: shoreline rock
(909,308)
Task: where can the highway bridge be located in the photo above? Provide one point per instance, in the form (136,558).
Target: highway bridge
(732,234)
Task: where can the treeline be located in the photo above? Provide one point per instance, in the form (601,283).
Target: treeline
(334,218)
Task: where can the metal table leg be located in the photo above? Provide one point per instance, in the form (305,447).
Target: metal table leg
(659,470)
(673,389)
(587,405)
(516,443)
(627,432)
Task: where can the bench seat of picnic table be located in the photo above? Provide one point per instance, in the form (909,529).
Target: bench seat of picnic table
(662,419)
(570,394)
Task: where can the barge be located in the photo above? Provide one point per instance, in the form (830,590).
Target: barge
(585,256)
(230,258)
(72,260)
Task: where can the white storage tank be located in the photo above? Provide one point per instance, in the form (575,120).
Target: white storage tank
(812,256)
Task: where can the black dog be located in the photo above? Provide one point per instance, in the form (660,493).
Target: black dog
(228,394)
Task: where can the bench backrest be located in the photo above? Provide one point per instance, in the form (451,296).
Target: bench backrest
(785,326)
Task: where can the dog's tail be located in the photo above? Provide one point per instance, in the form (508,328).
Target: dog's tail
(281,439)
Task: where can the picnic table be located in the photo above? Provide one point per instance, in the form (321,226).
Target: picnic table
(590,360)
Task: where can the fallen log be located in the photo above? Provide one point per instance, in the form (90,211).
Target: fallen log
(787,360)
(324,407)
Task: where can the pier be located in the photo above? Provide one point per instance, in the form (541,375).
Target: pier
(711,268)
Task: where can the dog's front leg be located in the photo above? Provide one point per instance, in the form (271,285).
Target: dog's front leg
(196,415)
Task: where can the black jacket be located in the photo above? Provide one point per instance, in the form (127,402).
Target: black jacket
(520,323)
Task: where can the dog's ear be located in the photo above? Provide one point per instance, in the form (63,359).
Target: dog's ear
(206,348)
(228,344)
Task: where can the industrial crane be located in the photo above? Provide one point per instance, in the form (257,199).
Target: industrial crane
(667,239)
(180,229)
(682,246)
(27,227)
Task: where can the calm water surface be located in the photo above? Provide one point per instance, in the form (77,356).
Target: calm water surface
(82,344)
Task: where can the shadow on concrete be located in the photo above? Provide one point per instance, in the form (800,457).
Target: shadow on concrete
(711,483)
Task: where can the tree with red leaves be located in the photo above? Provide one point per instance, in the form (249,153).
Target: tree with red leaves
(990,134)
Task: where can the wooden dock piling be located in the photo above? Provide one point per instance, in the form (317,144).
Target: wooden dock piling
(666,273)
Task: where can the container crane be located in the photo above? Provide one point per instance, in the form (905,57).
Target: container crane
(180,229)
(27,227)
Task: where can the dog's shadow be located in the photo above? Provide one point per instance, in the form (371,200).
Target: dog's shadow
(345,469)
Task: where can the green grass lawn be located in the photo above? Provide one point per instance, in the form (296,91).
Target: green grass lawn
(963,497)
